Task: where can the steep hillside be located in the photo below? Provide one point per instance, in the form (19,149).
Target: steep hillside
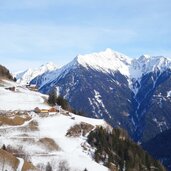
(43,141)
(4,73)
(60,140)
(86,91)
(159,147)
(118,152)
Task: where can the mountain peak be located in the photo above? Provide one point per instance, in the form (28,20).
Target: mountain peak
(30,74)
(49,66)
(107,60)
(144,57)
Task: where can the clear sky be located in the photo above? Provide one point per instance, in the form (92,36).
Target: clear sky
(33,32)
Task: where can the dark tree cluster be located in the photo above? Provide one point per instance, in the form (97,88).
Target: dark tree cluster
(54,99)
(116,148)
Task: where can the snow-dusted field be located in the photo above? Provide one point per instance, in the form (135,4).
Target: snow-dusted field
(21,98)
(54,127)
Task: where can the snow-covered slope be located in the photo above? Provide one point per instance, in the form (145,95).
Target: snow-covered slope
(110,60)
(21,98)
(25,77)
(43,141)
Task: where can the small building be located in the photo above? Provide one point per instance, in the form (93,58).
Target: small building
(44,111)
(37,110)
(50,111)
(53,109)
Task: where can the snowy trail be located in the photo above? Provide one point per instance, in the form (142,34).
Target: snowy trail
(20,165)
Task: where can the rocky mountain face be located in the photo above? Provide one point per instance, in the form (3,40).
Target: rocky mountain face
(159,147)
(152,105)
(130,93)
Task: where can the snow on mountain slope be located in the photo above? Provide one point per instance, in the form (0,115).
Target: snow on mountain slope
(25,77)
(133,68)
(108,60)
(54,74)
(56,128)
(21,98)
(48,143)
(146,64)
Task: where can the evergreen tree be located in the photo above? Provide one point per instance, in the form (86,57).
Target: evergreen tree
(52,97)
(117,148)
(62,102)
(53,100)
(48,167)
(4,147)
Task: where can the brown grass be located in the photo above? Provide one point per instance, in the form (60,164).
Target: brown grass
(49,143)
(79,129)
(29,167)
(31,127)
(9,159)
(16,120)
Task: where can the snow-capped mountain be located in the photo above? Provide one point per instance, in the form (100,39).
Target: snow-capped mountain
(124,91)
(111,61)
(106,61)
(146,64)
(25,77)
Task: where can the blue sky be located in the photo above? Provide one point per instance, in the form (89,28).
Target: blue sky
(33,32)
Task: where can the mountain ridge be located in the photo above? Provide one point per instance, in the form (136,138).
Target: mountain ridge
(26,76)
(113,61)
(122,98)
